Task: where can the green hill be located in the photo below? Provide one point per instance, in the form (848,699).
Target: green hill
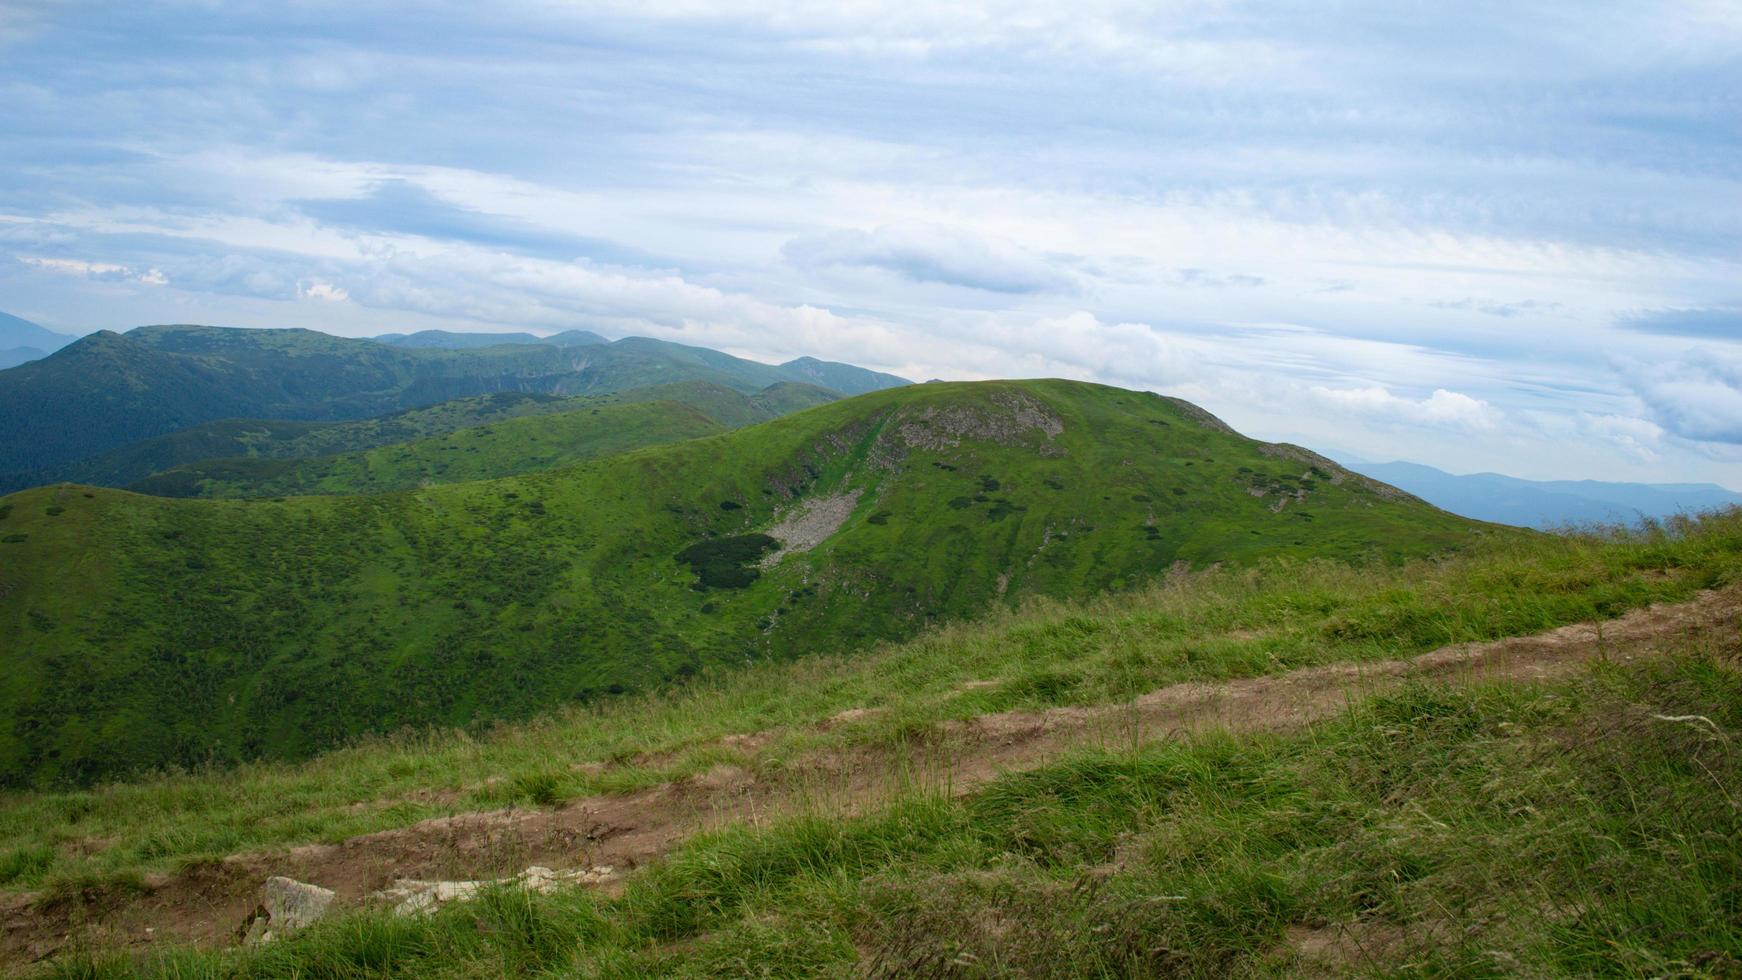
(588,428)
(108,390)
(838,377)
(519,445)
(282,439)
(233,443)
(144,631)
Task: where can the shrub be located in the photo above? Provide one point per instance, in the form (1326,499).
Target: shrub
(721,563)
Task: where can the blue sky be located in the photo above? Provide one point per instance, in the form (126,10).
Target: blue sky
(1478,235)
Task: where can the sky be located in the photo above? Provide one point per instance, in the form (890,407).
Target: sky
(1483,236)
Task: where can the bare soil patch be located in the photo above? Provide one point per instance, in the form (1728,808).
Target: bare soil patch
(810,524)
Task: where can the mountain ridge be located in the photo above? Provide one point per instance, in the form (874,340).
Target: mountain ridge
(1548,504)
(109,389)
(219,630)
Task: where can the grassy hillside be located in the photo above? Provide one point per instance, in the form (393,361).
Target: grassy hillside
(147,631)
(276,439)
(109,389)
(839,377)
(1584,827)
(282,438)
(588,428)
(240,457)
(519,445)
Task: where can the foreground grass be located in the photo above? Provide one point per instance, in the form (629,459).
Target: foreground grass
(1586,829)
(1209,626)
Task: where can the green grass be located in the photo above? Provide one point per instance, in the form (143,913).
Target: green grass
(505,448)
(237,444)
(145,632)
(1214,625)
(1496,831)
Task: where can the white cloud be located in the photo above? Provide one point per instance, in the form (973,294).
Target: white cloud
(1443,409)
(100,271)
(1698,396)
(324,291)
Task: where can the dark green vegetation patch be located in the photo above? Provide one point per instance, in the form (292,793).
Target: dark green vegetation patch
(724,563)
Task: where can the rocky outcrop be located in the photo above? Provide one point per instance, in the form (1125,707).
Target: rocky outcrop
(810,523)
(1016,415)
(410,897)
(286,905)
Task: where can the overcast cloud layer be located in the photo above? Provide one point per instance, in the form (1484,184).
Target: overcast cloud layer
(1478,235)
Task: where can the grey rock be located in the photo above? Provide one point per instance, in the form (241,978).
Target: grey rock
(286,905)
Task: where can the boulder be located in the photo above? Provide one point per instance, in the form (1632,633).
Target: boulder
(286,905)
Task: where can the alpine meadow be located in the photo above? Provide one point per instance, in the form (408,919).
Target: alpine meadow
(599,490)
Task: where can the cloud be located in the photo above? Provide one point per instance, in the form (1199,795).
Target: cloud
(405,205)
(1698,397)
(99,271)
(1716,323)
(930,254)
(1201,277)
(1441,409)
(1499,309)
(324,291)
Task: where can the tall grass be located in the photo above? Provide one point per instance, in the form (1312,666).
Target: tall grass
(1496,831)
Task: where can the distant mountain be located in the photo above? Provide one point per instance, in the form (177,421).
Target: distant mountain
(447,340)
(844,378)
(108,389)
(1547,503)
(471,439)
(21,341)
(14,356)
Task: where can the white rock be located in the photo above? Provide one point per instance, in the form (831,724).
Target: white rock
(411,897)
(286,905)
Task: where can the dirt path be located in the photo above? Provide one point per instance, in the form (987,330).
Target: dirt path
(205,905)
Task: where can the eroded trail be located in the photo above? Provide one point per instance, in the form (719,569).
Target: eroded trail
(205,905)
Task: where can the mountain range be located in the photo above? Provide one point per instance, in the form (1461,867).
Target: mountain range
(449,340)
(22,341)
(108,390)
(1548,504)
